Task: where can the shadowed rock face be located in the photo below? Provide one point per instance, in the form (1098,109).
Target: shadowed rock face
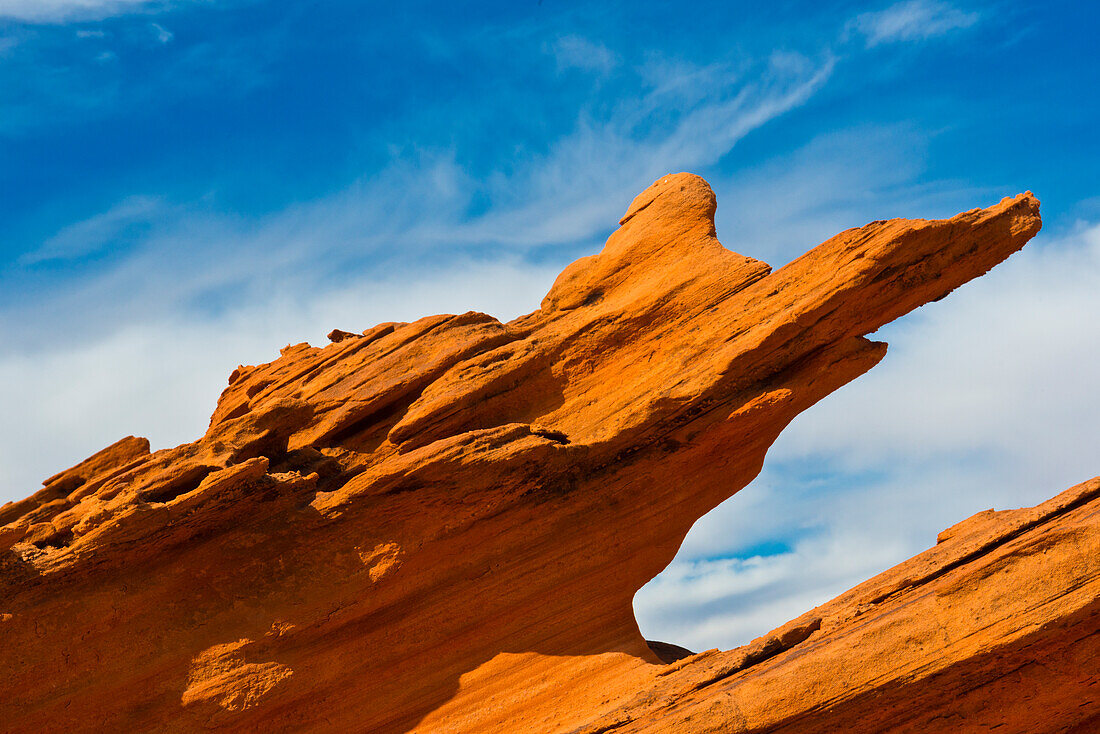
(441,525)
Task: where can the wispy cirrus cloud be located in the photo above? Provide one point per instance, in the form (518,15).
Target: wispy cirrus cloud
(195,276)
(54,11)
(911,20)
(117,227)
(162,34)
(576,52)
(573,191)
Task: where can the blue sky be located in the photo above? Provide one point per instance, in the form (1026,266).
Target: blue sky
(190,185)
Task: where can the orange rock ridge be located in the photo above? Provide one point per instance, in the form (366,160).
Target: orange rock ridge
(441,525)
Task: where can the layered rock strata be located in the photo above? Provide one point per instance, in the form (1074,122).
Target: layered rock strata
(996,628)
(441,525)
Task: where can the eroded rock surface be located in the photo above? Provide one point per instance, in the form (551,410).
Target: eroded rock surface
(441,525)
(996,628)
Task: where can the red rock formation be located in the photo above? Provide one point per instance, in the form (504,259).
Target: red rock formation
(441,525)
(997,628)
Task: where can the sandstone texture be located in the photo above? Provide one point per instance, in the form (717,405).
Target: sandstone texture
(441,525)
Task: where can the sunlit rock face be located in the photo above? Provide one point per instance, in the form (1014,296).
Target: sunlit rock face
(440,525)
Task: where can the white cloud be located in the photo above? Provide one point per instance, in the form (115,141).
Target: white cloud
(161,378)
(52,11)
(571,195)
(579,187)
(1004,367)
(840,179)
(125,220)
(987,399)
(576,52)
(911,20)
(726,602)
(163,35)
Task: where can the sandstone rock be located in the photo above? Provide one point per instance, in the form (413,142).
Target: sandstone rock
(339,335)
(441,525)
(60,487)
(994,629)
